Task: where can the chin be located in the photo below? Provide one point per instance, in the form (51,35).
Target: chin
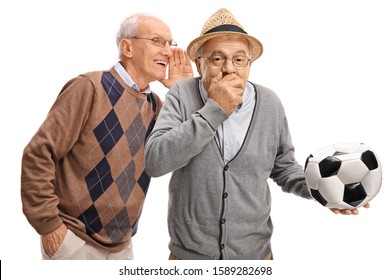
(160,76)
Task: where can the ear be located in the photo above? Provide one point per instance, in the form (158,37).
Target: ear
(126,47)
(197,63)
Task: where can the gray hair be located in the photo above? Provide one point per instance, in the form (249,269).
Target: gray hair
(129,27)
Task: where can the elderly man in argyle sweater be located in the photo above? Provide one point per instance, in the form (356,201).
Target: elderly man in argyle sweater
(83,181)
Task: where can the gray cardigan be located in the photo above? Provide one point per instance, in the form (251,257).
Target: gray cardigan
(219,211)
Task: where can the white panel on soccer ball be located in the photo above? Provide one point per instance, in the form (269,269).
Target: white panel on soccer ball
(340,205)
(377,158)
(324,152)
(352,171)
(362,148)
(347,147)
(346,157)
(332,189)
(312,174)
(372,182)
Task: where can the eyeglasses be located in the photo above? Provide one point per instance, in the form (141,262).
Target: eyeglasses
(219,61)
(158,41)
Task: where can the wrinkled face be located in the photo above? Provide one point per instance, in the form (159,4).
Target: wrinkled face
(149,59)
(225,47)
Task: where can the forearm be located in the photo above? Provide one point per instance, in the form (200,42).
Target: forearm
(292,180)
(174,141)
(37,188)
(286,172)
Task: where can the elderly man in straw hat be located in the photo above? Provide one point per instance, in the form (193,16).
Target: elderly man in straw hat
(223,137)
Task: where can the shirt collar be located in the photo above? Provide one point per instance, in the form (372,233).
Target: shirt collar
(127,79)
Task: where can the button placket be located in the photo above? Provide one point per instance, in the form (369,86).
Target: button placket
(223,218)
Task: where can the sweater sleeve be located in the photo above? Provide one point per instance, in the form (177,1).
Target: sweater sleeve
(55,138)
(287,172)
(175,140)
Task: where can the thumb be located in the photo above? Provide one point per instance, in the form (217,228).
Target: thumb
(217,78)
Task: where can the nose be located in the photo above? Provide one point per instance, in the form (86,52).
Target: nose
(229,67)
(167,50)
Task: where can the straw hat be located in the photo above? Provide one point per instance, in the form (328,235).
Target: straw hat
(223,23)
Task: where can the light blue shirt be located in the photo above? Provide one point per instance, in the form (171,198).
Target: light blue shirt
(231,133)
(127,79)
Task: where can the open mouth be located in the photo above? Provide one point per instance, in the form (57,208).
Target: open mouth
(162,63)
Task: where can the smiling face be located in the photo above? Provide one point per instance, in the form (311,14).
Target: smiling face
(143,59)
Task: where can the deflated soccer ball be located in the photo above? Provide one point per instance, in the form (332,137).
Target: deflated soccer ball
(343,176)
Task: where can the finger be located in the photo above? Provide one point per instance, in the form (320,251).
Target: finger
(187,58)
(334,210)
(182,57)
(171,59)
(230,77)
(217,78)
(238,85)
(239,101)
(367,205)
(178,56)
(234,80)
(350,212)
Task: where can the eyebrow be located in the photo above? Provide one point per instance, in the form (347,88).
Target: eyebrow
(218,52)
(155,35)
(160,36)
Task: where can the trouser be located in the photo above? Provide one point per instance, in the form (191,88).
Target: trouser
(173,257)
(75,248)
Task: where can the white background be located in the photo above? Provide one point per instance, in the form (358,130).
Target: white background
(327,60)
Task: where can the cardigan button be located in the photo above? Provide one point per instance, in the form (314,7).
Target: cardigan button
(226,168)
(225,195)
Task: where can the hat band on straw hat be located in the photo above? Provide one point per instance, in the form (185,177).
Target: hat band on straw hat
(226,27)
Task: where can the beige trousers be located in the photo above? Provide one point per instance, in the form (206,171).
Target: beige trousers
(74,248)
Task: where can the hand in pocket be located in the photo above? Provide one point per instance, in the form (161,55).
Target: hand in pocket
(53,240)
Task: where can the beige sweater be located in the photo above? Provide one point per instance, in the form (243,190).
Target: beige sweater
(85,165)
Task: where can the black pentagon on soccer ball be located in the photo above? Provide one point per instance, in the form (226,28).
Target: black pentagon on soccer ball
(329,166)
(354,194)
(369,160)
(317,196)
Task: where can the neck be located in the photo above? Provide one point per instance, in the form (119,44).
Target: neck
(134,74)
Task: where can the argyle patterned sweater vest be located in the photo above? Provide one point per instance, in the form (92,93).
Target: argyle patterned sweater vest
(85,164)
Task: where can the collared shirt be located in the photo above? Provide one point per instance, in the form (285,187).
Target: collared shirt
(128,80)
(231,133)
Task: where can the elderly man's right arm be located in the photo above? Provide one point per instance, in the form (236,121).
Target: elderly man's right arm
(178,137)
